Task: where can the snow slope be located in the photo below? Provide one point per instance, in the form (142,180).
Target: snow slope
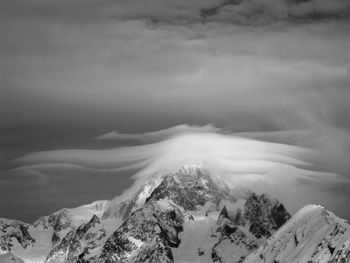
(197,239)
(10,258)
(313,234)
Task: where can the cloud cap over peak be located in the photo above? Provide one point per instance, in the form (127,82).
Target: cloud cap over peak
(278,168)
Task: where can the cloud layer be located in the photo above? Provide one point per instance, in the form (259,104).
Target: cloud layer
(156,135)
(281,169)
(239,11)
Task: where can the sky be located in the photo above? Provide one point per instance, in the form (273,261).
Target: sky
(96,95)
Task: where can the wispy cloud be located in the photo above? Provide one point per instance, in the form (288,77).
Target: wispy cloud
(155,136)
(236,159)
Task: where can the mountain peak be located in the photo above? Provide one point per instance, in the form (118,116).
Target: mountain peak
(190,187)
(193,169)
(224,213)
(191,175)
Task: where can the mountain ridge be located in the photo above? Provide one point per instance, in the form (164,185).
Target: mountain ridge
(184,216)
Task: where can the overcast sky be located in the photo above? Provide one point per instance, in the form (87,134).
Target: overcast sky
(92,75)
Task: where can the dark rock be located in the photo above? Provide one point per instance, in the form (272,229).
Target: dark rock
(76,244)
(201,251)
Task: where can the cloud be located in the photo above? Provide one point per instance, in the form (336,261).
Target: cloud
(278,168)
(155,136)
(114,69)
(265,12)
(101,66)
(241,11)
(124,65)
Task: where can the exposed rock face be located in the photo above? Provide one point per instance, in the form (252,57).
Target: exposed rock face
(342,255)
(191,187)
(158,223)
(12,229)
(77,244)
(242,232)
(264,214)
(59,221)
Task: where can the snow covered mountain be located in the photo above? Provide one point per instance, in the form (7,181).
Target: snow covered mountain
(33,242)
(186,216)
(313,234)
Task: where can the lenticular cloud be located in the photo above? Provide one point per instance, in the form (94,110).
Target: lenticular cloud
(235,159)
